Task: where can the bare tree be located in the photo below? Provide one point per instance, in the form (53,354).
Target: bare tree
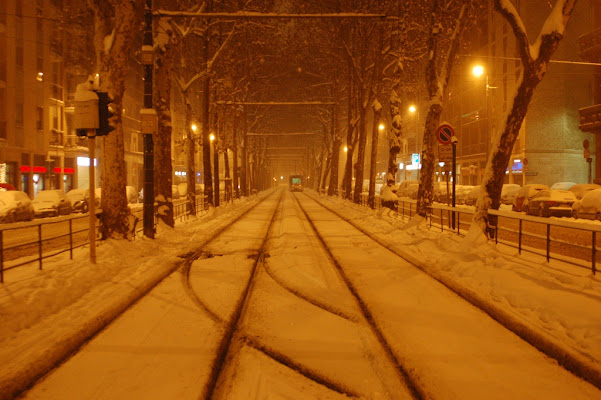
(116,23)
(437,81)
(535,61)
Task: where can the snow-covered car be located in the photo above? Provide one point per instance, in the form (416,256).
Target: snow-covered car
(551,203)
(6,186)
(131,194)
(472,196)
(508,193)
(562,185)
(79,199)
(411,191)
(461,192)
(580,189)
(15,206)
(401,191)
(440,192)
(50,203)
(589,206)
(523,196)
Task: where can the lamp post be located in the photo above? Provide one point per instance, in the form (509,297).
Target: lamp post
(478,70)
(413,110)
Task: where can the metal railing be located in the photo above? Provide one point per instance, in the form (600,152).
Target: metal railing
(564,240)
(39,236)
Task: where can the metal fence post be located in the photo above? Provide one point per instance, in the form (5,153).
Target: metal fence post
(457,216)
(40,244)
(71,238)
(520,239)
(548,240)
(1,257)
(594,252)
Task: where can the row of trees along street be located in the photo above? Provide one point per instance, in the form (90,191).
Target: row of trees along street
(231,74)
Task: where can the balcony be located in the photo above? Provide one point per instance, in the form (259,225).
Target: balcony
(590,46)
(590,119)
(56,138)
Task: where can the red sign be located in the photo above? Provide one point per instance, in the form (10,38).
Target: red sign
(444,133)
(57,170)
(25,168)
(39,169)
(69,170)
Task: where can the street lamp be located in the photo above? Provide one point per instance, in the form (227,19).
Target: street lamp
(478,70)
(413,110)
(345,149)
(381,127)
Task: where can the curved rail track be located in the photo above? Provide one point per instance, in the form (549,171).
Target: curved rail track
(281,280)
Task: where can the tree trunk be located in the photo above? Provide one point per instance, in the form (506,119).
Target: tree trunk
(235,160)
(113,66)
(206,135)
(395,134)
(333,188)
(535,65)
(162,155)
(348,169)
(427,158)
(244,161)
(228,181)
(191,168)
(371,201)
(360,158)
(216,171)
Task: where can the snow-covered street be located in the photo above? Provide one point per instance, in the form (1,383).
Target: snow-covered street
(396,333)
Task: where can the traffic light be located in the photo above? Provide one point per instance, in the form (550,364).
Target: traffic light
(104,113)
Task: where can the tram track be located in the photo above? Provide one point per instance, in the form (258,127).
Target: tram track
(276,304)
(569,359)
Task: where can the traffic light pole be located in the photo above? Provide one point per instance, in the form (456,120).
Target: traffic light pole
(92,202)
(148,142)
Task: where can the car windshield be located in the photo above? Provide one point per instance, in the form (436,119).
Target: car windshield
(47,196)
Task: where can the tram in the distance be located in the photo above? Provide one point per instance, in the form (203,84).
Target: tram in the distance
(296,183)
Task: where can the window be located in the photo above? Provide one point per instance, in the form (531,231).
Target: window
(19,115)
(19,60)
(40,118)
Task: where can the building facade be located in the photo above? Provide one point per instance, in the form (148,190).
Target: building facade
(549,148)
(45,51)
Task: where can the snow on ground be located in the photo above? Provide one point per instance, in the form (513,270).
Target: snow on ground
(46,313)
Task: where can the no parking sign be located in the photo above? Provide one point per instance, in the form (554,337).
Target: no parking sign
(444,134)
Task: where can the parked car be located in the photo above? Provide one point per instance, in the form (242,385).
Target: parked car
(402,189)
(440,192)
(15,206)
(562,185)
(523,196)
(472,195)
(461,192)
(581,189)
(79,199)
(551,203)
(6,186)
(589,206)
(50,203)
(411,191)
(508,193)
